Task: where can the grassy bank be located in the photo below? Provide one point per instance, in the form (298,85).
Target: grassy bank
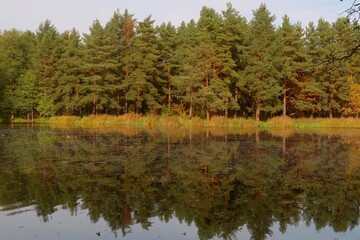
(135,120)
(176,121)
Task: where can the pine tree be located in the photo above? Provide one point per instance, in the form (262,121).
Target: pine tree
(261,73)
(167,46)
(209,27)
(119,31)
(233,45)
(46,64)
(142,82)
(292,61)
(342,37)
(332,77)
(189,80)
(99,72)
(69,74)
(308,100)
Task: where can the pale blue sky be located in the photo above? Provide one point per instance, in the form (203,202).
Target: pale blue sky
(65,14)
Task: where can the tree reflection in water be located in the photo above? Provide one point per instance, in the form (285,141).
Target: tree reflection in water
(219,180)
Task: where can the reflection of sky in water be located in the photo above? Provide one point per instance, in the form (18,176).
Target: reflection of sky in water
(27,226)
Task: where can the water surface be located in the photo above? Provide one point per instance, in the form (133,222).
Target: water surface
(178,184)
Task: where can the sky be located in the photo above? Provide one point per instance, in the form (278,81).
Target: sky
(66,14)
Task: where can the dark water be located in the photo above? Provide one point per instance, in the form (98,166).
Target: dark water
(178,184)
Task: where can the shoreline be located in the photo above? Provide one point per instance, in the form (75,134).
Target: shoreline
(136,120)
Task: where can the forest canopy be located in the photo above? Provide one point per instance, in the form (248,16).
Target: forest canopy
(222,64)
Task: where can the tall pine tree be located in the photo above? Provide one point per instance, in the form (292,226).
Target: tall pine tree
(99,72)
(46,64)
(142,81)
(261,74)
(292,61)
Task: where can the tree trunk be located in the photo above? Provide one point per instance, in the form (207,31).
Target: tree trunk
(208,115)
(118,98)
(190,110)
(284,99)
(169,87)
(331,100)
(138,99)
(330,112)
(257,110)
(94,99)
(236,100)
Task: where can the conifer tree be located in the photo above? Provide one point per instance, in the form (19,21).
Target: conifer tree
(46,64)
(143,82)
(308,99)
(99,68)
(233,43)
(342,37)
(331,77)
(167,46)
(209,27)
(119,31)
(189,80)
(261,74)
(292,60)
(69,74)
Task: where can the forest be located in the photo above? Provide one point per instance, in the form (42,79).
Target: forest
(219,65)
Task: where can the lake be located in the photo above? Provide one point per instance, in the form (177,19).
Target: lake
(133,183)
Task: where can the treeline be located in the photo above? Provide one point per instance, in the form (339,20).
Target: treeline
(220,65)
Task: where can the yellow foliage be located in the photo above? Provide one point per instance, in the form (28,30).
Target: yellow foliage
(354,105)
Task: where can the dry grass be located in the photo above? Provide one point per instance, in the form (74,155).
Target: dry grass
(327,123)
(101,121)
(280,122)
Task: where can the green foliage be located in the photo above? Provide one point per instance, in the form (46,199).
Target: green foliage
(261,74)
(46,58)
(143,81)
(292,62)
(220,65)
(69,74)
(16,52)
(25,97)
(46,107)
(99,72)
